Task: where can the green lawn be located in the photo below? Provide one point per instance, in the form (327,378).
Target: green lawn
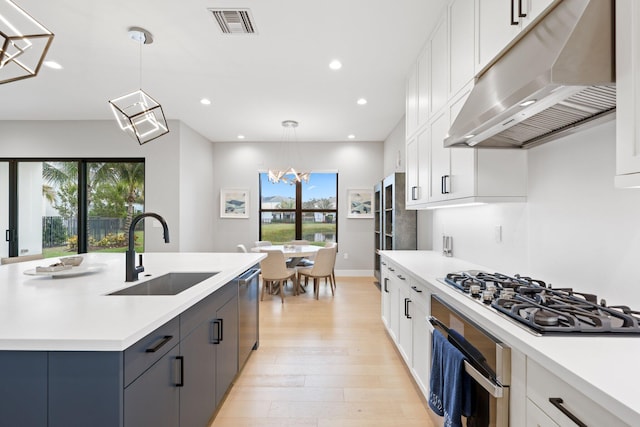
(279,233)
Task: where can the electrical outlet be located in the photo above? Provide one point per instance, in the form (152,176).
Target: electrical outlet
(346,256)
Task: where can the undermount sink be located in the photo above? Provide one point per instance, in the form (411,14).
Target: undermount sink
(168,284)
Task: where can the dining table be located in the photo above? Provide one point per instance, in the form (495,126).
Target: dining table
(295,253)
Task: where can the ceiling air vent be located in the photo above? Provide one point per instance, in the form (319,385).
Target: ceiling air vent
(234,21)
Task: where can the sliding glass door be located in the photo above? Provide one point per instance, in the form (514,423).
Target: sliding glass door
(61,207)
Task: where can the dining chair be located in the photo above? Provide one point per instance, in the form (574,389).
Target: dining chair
(15,259)
(241,248)
(274,270)
(333,272)
(322,268)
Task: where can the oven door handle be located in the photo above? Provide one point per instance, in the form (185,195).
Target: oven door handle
(493,389)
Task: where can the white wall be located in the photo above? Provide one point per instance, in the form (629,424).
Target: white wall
(575,229)
(197,192)
(100,139)
(359,164)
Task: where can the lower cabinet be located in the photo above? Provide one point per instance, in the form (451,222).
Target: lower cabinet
(551,402)
(404,312)
(175,376)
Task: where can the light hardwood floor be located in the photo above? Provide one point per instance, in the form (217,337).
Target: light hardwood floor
(321,363)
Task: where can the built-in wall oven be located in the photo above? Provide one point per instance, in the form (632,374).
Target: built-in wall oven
(488,363)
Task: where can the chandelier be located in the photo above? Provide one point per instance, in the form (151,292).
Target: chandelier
(137,113)
(23,43)
(289,175)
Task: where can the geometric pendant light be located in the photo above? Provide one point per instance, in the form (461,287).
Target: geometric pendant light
(288,175)
(137,113)
(23,43)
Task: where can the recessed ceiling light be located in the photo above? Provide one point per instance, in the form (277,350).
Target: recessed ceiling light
(52,64)
(335,64)
(240,136)
(351,136)
(529,102)
(361,101)
(205,101)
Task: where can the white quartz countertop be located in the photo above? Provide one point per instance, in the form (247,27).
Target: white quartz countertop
(605,368)
(74,313)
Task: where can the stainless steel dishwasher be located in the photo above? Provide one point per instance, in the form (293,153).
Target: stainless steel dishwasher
(248,313)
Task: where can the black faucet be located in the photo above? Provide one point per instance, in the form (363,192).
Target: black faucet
(130,261)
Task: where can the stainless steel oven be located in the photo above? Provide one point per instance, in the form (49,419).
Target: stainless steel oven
(488,363)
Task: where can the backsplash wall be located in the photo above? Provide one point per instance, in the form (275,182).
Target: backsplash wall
(575,229)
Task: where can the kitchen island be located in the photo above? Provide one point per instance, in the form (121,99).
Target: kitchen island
(594,373)
(75,355)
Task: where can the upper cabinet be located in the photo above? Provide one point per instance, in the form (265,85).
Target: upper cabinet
(499,22)
(468,35)
(628,93)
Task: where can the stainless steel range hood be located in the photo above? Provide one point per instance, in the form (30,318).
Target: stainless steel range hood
(564,66)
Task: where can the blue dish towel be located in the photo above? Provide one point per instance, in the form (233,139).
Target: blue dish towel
(450,388)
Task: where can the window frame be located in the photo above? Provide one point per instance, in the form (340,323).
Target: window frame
(298,211)
(83,207)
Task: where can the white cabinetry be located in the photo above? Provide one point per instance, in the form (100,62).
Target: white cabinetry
(561,403)
(499,22)
(628,102)
(418,168)
(461,25)
(411,107)
(439,66)
(405,307)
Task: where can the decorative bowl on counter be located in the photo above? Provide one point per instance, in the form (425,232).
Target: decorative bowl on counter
(73,261)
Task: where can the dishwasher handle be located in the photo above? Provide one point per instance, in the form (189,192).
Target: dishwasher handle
(245,278)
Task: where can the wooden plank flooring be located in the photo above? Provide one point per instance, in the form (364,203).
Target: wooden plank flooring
(321,363)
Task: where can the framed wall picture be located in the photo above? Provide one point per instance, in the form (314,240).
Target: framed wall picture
(234,203)
(360,203)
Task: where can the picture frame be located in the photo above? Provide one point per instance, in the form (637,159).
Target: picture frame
(234,203)
(360,203)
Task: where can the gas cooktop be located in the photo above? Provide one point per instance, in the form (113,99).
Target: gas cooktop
(543,309)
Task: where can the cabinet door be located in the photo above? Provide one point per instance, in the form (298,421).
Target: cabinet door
(418,168)
(537,418)
(440,157)
(394,304)
(411,119)
(424,85)
(198,394)
(154,399)
(385,293)
(439,66)
(23,394)
(413,184)
(495,29)
(405,332)
(421,346)
(226,343)
(628,83)
(461,19)
(462,182)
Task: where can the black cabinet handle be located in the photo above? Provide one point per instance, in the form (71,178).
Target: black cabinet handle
(513,21)
(216,338)
(401,277)
(520,14)
(386,281)
(557,402)
(162,342)
(415,288)
(406,308)
(180,381)
(443,184)
(392,269)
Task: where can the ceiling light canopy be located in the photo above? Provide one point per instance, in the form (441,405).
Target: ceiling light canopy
(288,175)
(137,113)
(24,42)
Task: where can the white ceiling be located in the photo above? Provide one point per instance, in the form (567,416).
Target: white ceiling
(254,81)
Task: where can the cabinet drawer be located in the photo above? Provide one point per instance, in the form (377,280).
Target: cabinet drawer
(141,355)
(543,386)
(206,309)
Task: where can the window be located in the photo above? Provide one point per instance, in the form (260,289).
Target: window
(307,211)
(60,207)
